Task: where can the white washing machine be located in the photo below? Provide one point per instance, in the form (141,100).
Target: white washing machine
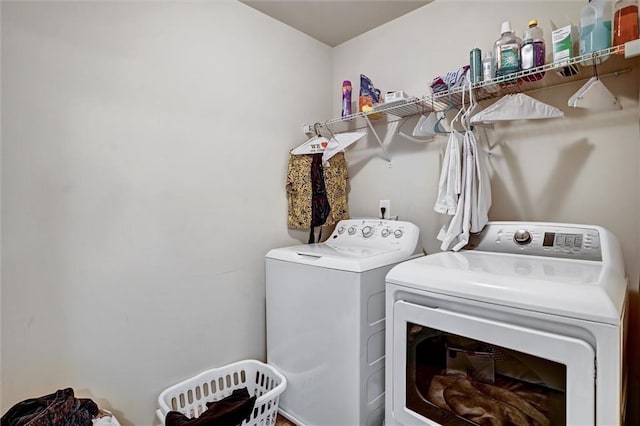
(525,327)
(325,320)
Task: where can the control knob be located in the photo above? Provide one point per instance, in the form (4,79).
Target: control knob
(352,230)
(341,230)
(522,237)
(385,232)
(398,233)
(367,231)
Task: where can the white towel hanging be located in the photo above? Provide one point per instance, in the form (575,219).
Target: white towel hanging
(516,107)
(449,185)
(456,235)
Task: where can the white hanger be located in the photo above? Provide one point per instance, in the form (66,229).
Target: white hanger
(339,143)
(595,96)
(425,125)
(516,107)
(314,145)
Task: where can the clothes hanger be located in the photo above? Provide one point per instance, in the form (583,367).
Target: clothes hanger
(314,145)
(517,106)
(339,142)
(452,106)
(594,95)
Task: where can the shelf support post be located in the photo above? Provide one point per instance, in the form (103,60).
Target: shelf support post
(382,143)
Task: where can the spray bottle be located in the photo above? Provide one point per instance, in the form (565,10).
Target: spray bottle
(346,98)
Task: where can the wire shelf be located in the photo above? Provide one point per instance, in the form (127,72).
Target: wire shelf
(603,62)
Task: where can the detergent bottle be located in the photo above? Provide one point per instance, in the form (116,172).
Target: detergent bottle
(533,52)
(595,26)
(625,22)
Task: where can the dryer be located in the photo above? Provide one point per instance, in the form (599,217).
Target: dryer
(325,320)
(526,326)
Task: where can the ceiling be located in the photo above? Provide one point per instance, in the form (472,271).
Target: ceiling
(334,22)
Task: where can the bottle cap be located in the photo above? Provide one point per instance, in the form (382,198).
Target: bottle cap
(533,23)
(346,83)
(506,27)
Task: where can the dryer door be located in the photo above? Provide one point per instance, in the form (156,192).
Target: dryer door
(455,369)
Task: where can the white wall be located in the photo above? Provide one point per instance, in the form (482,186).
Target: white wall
(582,168)
(144,152)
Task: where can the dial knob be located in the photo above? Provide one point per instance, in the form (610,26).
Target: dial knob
(398,233)
(385,232)
(367,231)
(341,230)
(352,230)
(522,236)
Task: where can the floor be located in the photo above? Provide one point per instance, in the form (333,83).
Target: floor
(281,421)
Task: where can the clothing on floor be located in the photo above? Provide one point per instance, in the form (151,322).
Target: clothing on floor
(57,409)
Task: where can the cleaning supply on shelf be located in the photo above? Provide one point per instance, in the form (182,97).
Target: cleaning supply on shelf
(595,26)
(346,98)
(369,97)
(475,65)
(507,49)
(562,41)
(488,67)
(625,22)
(532,52)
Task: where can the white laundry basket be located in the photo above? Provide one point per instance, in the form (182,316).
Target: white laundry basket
(190,396)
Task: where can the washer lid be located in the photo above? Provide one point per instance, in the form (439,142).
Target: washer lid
(345,258)
(329,250)
(357,245)
(582,289)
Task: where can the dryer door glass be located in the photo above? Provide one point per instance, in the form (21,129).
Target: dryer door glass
(461,370)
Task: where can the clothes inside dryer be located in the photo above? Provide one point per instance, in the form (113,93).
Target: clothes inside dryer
(458,380)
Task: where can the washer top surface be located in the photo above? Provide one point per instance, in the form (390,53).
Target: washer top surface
(569,270)
(357,245)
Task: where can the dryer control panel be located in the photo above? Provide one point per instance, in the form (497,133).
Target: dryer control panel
(539,239)
(379,234)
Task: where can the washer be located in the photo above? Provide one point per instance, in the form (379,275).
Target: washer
(531,316)
(325,320)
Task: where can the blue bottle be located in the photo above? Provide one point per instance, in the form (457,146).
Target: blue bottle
(595,26)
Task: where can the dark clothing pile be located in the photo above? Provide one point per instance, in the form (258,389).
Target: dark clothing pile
(56,409)
(229,411)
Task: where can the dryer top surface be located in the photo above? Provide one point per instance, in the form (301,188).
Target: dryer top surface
(562,284)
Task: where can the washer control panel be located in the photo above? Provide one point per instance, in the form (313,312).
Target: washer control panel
(539,239)
(375,233)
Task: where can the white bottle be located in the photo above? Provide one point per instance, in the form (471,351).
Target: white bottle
(488,67)
(532,53)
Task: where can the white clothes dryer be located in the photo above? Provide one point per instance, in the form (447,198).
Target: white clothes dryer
(325,320)
(527,326)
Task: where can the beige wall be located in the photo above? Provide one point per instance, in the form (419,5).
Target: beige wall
(144,153)
(144,150)
(579,169)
